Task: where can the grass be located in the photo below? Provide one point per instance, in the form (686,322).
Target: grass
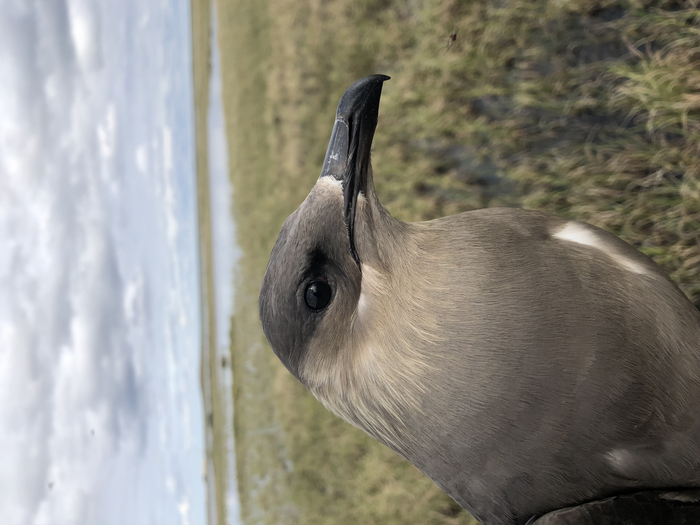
(588,109)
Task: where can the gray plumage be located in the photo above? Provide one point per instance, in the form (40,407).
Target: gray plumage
(524,362)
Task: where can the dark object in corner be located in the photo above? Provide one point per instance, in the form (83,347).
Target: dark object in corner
(641,508)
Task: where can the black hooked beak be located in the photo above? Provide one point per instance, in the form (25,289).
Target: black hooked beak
(348,155)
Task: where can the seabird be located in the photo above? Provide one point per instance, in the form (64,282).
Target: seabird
(524,362)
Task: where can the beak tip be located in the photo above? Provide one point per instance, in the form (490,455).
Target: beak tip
(367,89)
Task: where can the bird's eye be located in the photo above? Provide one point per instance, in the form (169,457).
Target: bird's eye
(318,294)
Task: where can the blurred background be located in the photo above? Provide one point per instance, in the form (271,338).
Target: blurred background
(149,154)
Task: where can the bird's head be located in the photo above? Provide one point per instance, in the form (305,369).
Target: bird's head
(313,283)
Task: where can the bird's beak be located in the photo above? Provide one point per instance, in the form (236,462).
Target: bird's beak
(348,155)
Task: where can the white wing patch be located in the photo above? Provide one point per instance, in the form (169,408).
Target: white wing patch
(578,233)
(620,459)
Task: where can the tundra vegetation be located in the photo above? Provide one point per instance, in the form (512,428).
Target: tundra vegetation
(587,109)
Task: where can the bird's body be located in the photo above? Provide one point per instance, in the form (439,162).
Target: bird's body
(524,362)
(533,415)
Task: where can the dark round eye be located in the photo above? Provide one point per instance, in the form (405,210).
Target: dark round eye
(318,294)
